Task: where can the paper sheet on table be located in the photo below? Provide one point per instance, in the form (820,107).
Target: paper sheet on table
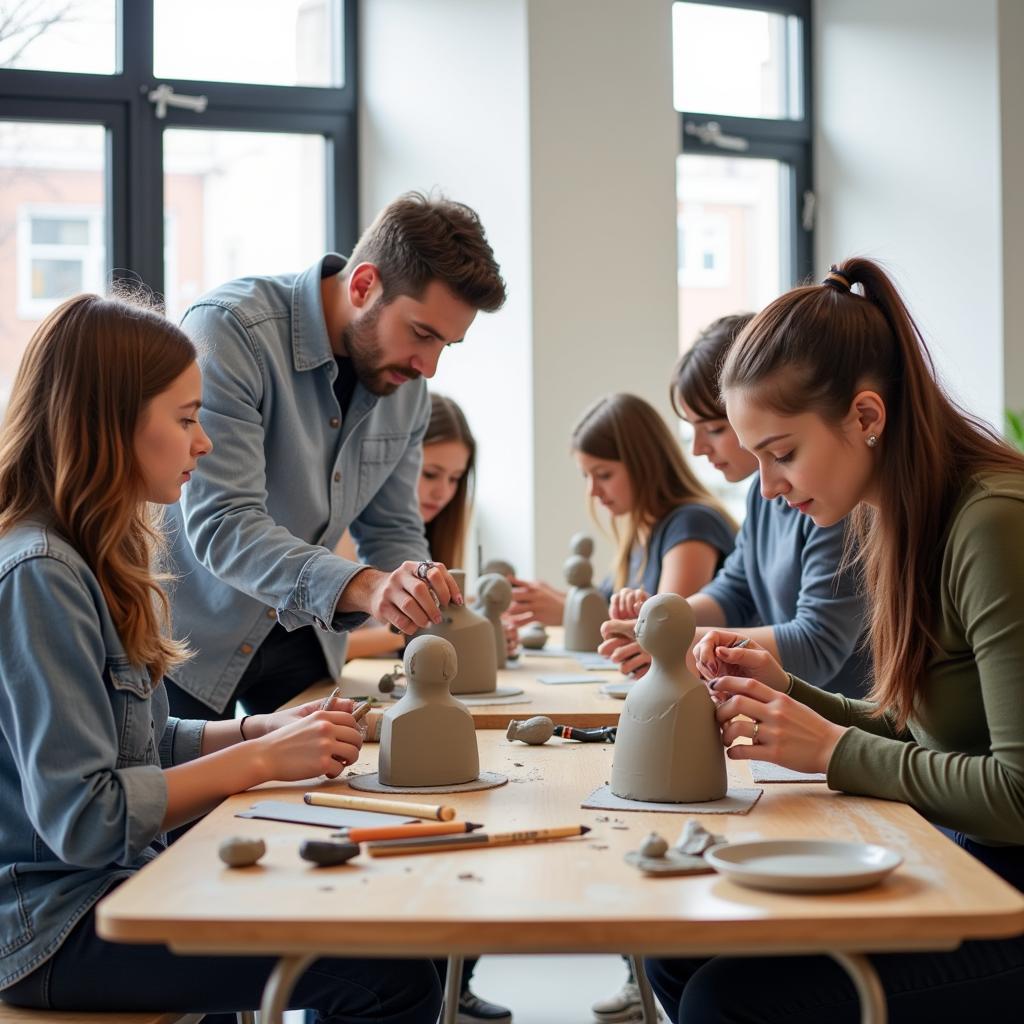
(326,817)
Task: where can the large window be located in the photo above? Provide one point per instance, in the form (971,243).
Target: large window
(744,201)
(174,142)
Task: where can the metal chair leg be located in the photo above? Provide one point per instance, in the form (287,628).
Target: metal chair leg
(452,988)
(873,1009)
(647,1001)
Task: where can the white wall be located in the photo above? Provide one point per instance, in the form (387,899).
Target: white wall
(907,155)
(555,121)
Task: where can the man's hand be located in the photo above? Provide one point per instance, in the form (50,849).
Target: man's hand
(401,598)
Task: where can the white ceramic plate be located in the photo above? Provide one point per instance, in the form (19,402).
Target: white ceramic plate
(803,865)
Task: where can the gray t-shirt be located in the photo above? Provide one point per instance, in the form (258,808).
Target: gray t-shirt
(783,573)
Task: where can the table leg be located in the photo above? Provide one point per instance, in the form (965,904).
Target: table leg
(650,1009)
(279,986)
(452,988)
(873,1009)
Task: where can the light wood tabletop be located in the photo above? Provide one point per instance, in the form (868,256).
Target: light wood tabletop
(567,896)
(580,704)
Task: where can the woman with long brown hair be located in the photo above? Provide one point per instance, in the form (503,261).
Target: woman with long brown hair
(101,427)
(835,392)
(672,534)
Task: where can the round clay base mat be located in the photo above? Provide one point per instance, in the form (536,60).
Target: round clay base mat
(371,784)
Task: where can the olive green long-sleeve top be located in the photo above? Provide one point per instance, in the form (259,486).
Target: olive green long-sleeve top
(960,762)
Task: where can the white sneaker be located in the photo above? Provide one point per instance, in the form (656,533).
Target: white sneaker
(625,1005)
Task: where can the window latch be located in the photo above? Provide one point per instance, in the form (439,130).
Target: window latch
(711,134)
(808,211)
(164,96)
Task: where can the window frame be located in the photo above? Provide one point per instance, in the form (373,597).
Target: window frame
(787,140)
(134,135)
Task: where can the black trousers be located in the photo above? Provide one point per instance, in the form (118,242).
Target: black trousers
(978,981)
(88,973)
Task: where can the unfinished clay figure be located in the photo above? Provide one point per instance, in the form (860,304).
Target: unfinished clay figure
(428,738)
(500,566)
(534,636)
(472,636)
(494,595)
(668,748)
(581,544)
(585,606)
(534,731)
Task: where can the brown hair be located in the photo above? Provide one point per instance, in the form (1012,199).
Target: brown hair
(695,375)
(417,239)
(813,349)
(624,428)
(67,453)
(446,532)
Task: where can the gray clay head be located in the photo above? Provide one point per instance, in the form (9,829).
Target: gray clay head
(494,592)
(665,627)
(578,571)
(500,566)
(582,544)
(459,575)
(430,662)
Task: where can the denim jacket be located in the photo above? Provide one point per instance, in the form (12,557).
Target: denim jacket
(257,525)
(83,738)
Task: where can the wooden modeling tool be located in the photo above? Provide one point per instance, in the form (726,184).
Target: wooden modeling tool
(326,702)
(435,812)
(360,710)
(445,844)
(423,828)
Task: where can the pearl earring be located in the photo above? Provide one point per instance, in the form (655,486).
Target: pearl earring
(872,440)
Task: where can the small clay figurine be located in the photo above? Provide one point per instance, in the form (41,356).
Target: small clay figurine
(668,748)
(582,544)
(534,636)
(534,731)
(585,606)
(428,738)
(472,636)
(654,846)
(241,851)
(499,566)
(494,594)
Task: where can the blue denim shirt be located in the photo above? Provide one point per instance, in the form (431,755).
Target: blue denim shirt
(257,525)
(83,738)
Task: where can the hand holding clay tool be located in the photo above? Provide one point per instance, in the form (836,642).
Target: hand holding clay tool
(421,828)
(595,734)
(435,812)
(444,844)
(326,703)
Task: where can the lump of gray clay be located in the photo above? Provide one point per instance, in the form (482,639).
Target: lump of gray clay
(494,593)
(668,748)
(472,636)
(499,566)
(327,854)
(534,636)
(695,839)
(241,851)
(534,731)
(429,738)
(585,606)
(654,846)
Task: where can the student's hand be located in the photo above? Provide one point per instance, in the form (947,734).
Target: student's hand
(260,725)
(626,603)
(320,743)
(511,636)
(536,602)
(781,729)
(620,646)
(401,598)
(715,655)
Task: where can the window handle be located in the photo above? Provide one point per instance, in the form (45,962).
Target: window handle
(808,211)
(164,96)
(711,134)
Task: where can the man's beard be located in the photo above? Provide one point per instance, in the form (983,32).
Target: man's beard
(363,348)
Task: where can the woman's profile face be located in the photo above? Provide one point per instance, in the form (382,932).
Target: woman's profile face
(169,439)
(607,482)
(444,465)
(717,442)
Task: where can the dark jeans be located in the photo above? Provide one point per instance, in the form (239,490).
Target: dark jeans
(975,982)
(283,666)
(87,973)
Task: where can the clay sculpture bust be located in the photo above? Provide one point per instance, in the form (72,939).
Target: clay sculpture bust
(585,606)
(500,566)
(428,738)
(494,594)
(472,636)
(668,748)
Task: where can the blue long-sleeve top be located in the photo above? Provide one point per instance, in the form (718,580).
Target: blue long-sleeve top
(784,573)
